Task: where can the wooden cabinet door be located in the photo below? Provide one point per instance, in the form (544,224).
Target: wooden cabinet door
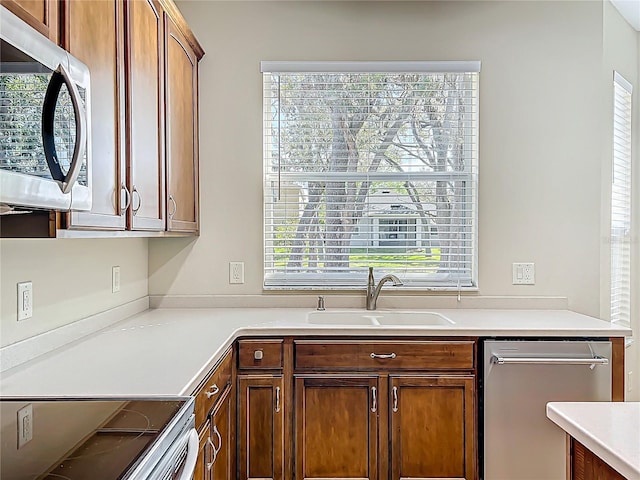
(94,34)
(336,427)
(181,74)
(201,472)
(145,115)
(223,439)
(261,427)
(432,427)
(39,14)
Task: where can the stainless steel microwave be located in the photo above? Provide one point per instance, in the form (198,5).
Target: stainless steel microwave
(45,125)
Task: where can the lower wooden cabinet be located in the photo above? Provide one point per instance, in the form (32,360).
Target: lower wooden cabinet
(336,426)
(216,458)
(261,413)
(223,440)
(201,472)
(432,426)
(365,416)
(586,465)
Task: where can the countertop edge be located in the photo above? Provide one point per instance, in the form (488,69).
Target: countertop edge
(593,443)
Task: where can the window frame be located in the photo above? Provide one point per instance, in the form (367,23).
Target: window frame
(351,280)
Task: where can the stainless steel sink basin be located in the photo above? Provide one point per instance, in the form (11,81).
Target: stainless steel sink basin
(379,318)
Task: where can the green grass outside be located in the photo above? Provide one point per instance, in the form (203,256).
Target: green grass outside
(384,258)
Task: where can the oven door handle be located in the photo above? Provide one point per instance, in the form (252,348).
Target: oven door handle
(192,455)
(596,360)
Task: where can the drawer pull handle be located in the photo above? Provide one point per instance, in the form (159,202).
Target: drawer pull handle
(383,355)
(277,399)
(258,354)
(214,454)
(395,399)
(374,400)
(217,450)
(214,390)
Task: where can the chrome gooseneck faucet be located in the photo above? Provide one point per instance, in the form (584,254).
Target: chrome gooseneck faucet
(373,291)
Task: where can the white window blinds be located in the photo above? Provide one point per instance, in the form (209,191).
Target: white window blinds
(621,203)
(370,164)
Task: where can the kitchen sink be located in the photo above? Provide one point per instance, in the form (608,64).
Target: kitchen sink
(413,318)
(379,318)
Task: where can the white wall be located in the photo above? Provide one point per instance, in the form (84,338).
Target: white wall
(540,131)
(71,280)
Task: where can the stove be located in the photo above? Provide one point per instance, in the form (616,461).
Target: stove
(97,438)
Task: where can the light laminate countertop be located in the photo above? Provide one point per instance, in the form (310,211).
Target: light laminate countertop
(170,351)
(611,430)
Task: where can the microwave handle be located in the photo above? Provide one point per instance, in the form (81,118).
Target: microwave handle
(59,77)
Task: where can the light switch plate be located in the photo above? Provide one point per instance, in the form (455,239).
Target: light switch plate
(25,300)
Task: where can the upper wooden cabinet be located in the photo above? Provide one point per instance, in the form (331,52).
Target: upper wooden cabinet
(143,60)
(181,83)
(39,14)
(144,37)
(93,33)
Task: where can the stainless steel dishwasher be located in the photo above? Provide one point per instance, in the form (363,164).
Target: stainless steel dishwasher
(519,378)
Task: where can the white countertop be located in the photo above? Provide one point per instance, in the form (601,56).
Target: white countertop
(611,430)
(169,351)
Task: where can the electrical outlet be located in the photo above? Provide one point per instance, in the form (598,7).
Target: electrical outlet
(25,425)
(115,279)
(236,272)
(524,274)
(25,300)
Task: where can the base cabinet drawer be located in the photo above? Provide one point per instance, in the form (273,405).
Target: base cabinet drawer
(262,354)
(212,388)
(384,355)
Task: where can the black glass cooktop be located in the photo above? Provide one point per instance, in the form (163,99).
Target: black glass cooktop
(79,439)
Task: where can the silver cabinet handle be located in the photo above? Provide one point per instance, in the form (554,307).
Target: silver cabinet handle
(214,453)
(128,198)
(217,450)
(175,207)
(214,390)
(497,359)
(134,191)
(277,399)
(383,355)
(395,399)
(374,400)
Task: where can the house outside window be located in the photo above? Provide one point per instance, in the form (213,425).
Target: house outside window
(370,164)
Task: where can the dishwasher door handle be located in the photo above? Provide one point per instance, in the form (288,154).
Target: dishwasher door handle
(500,360)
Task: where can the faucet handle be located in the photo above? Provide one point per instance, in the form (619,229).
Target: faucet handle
(320,303)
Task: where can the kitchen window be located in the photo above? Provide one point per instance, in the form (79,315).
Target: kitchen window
(370,164)
(621,202)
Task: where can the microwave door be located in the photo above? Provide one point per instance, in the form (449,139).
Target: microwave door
(59,78)
(44,122)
